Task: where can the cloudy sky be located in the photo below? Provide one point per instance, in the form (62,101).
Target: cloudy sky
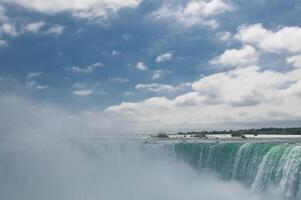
(143,65)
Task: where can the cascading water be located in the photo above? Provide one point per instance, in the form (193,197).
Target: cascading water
(257,165)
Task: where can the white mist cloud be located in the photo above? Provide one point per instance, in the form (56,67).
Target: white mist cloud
(46,154)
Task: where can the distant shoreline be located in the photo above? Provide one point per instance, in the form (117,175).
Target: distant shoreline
(243,134)
(260,131)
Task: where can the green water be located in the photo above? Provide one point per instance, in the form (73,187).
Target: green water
(257,165)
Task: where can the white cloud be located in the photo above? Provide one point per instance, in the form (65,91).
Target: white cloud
(194,12)
(164,57)
(14,29)
(33,75)
(141,66)
(41,27)
(86,85)
(31,84)
(89,9)
(284,39)
(155,87)
(159,88)
(158,74)
(83,92)
(42,87)
(237,57)
(3,43)
(189,99)
(152,103)
(114,52)
(86,70)
(34,85)
(252,34)
(87,88)
(80,85)
(55,29)
(241,96)
(129,93)
(294,60)
(224,36)
(8,29)
(209,104)
(243,86)
(34,27)
(126,36)
(119,80)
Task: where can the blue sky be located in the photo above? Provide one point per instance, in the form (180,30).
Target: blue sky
(151,60)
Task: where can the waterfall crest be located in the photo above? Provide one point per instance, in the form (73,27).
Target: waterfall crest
(256,165)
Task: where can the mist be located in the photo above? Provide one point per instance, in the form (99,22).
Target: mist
(47,153)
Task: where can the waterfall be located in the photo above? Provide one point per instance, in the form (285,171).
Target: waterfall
(256,165)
